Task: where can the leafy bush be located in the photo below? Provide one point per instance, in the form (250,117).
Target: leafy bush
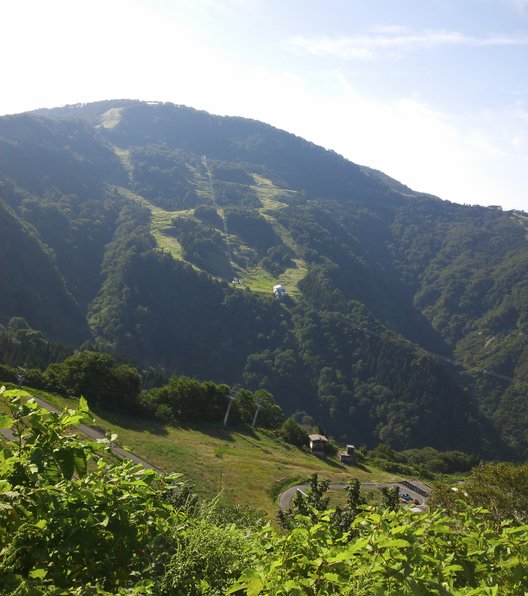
(391,552)
(501,488)
(185,400)
(99,378)
(205,555)
(67,517)
(294,433)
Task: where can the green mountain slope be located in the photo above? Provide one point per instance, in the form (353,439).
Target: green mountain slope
(153,210)
(32,287)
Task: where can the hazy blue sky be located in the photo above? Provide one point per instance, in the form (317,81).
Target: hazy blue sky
(432,92)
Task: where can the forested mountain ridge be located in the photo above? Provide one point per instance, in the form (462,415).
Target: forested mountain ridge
(144,214)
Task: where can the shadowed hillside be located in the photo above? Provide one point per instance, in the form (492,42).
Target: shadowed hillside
(405,316)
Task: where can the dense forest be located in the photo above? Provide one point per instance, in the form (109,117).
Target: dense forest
(156,233)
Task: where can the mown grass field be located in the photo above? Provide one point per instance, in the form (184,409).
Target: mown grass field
(241,465)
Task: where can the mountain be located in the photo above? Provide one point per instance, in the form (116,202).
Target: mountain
(126,223)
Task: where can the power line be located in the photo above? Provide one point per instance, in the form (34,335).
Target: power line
(213,199)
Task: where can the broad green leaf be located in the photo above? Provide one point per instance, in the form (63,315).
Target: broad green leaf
(5,421)
(254,586)
(451,568)
(73,418)
(395,543)
(38,573)
(79,461)
(66,462)
(510,562)
(332,577)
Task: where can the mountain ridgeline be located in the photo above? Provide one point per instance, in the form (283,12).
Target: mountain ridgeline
(157,232)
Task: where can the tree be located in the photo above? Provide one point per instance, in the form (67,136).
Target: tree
(184,400)
(293,433)
(391,497)
(99,378)
(307,504)
(501,488)
(270,414)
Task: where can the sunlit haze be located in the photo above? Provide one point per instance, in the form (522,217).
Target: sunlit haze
(432,92)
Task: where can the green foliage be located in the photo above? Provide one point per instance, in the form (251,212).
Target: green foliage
(208,215)
(500,488)
(231,173)
(426,462)
(28,348)
(294,433)
(392,552)
(269,412)
(27,263)
(391,497)
(203,246)
(185,400)
(251,227)
(99,378)
(70,522)
(277,259)
(306,504)
(69,518)
(161,175)
(309,504)
(205,555)
(388,272)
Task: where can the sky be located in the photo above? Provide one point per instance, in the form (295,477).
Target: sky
(432,92)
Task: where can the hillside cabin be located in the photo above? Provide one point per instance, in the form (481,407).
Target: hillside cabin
(318,445)
(279,292)
(347,456)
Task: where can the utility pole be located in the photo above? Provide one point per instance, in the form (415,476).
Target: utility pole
(259,407)
(229,405)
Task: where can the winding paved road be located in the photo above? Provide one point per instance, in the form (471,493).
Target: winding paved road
(286,496)
(91,433)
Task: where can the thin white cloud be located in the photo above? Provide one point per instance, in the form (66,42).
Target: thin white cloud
(519,6)
(472,157)
(392,39)
(465,158)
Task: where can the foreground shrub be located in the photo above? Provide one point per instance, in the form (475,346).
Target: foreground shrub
(68,517)
(72,522)
(392,552)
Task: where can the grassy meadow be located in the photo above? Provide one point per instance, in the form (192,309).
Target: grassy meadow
(242,465)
